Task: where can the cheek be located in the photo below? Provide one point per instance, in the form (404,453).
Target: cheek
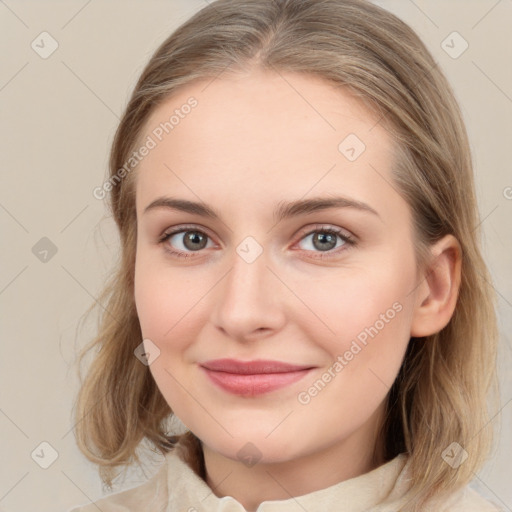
(364,359)
(359,304)
(156,304)
(169,305)
(168,317)
(368,313)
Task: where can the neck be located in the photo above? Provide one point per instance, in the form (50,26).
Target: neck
(303,474)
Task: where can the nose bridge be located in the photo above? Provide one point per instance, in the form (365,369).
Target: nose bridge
(248,300)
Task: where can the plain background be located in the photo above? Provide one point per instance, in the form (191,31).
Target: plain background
(58,118)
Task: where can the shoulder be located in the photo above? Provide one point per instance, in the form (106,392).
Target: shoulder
(470,500)
(151,495)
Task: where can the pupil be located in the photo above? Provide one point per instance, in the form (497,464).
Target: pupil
(193,237)
(324,238)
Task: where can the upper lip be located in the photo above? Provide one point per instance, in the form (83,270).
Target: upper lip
(258,366)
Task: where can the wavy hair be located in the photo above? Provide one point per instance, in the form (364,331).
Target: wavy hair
(440,394)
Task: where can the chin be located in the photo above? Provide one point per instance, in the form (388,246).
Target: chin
(255,448)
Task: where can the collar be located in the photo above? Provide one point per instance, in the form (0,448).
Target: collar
(188,492)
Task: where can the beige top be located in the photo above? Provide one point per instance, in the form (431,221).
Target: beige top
(177,488)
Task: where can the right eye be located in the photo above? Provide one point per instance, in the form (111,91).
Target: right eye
(184,241)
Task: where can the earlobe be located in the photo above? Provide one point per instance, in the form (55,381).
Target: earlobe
(438,293)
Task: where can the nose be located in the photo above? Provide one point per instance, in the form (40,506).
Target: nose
(249,302)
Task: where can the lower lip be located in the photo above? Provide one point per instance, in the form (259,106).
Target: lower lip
(254,384)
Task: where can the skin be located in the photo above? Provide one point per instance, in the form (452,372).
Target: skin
(252,141)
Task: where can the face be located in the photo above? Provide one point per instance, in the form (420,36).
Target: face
(305,259)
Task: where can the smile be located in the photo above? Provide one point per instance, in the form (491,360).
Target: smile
(251,378)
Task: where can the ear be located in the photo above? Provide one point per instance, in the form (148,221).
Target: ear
(437,294)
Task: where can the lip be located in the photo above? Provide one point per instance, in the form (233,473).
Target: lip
(251,378)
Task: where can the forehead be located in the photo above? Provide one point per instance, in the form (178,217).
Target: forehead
(264,135)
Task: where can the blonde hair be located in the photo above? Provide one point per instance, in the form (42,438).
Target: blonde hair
(440,394)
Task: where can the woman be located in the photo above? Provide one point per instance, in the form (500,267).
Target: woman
(330,340)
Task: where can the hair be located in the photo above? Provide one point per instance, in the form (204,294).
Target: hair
(441,391)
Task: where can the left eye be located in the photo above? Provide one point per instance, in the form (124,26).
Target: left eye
(324,240)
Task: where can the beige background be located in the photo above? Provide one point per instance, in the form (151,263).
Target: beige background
(58,119)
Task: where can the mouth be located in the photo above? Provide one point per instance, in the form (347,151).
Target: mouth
(251,378)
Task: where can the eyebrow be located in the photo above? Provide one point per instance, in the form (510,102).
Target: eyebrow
(284,209)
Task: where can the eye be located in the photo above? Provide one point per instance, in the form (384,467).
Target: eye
(184,241)
(325,240)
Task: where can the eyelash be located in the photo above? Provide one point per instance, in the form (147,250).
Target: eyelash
(348,240)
